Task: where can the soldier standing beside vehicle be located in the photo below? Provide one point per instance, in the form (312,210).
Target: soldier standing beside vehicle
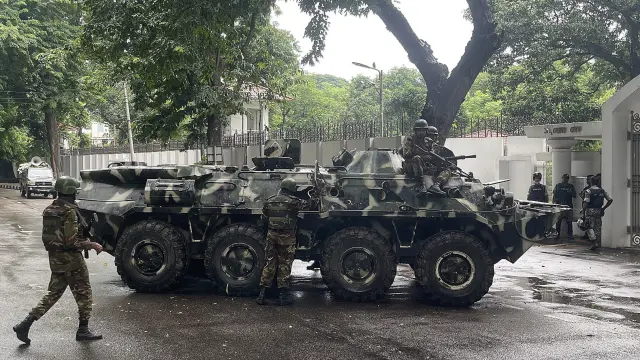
(538,191)
(282,213)
(417,152)
(68,269)
(563,194)
(592,209)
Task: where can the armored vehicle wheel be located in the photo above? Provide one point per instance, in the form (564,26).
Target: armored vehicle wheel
(29,196)
(454,269)
(235,258)
(151,256)
(358,264)
(54,195)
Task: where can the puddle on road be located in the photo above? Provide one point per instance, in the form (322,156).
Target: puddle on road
(592,302)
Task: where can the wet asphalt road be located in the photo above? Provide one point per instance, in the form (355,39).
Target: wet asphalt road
(557,302)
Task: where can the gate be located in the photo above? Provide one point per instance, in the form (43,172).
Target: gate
(635,179)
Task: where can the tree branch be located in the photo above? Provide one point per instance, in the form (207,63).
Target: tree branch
(419,51)
(483,44)
(252,32)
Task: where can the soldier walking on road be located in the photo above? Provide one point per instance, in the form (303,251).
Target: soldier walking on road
(538,191)
(563,194)
(592,208)
(64,244)
(282,213)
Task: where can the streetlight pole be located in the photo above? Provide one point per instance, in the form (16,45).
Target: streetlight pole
(380,100)
(126,103)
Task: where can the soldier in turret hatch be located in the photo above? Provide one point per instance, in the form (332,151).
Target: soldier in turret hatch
(417,152)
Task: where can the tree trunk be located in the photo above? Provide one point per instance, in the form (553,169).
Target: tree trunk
(53,138)
(445,93)
(214,131)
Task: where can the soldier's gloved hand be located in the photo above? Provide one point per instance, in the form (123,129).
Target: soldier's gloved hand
(97,247)
(601,212)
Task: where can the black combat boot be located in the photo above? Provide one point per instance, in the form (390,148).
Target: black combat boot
(435,189)
(84,334)
(260,298)
(285,297)
(22,329)
(315,265)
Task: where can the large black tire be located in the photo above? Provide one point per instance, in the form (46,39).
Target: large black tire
(151,256)
(235,258)
(29,196)
(454,269)
(54,194)
(358,264)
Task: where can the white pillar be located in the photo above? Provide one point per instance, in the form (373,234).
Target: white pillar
(560,158)
(560,165)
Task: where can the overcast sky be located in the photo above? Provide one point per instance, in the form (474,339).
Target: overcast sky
(365,40)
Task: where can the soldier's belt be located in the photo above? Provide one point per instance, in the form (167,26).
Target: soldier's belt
(63,250)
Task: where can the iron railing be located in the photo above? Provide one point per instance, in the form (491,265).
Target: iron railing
(500,126)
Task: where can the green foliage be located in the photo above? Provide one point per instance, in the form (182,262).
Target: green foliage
(187,61)
(40,70)
(315,100)
(541,32)
(319,99)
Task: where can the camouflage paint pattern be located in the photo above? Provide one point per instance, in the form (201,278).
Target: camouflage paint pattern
(68,268)
(77,279)
(280,252)
(372,186)
(594,219)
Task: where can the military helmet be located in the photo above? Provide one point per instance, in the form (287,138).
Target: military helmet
(421,124)
(432,130)
(537,174)
(288,184)
(67,185)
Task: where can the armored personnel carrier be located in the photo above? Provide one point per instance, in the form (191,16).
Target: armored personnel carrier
(367,218)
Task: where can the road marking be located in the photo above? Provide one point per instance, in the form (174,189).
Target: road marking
(512,307)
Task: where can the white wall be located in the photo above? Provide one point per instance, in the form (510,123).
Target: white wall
(616,166)
(585,163)
(522,145)
(487,150)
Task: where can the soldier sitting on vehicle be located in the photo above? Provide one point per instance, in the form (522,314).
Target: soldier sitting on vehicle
(417,151)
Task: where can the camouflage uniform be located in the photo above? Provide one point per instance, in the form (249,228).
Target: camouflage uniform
(418,162)
(594,197)
(282,211)
(68,268)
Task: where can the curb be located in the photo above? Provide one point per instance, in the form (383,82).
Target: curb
(10,186)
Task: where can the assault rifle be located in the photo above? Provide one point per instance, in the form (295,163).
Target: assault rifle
(461,157)
(446,162)
(86,230)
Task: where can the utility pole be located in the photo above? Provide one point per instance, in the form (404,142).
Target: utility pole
(126,102)
(380,89)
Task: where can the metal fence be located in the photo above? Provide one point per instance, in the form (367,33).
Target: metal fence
(500,126)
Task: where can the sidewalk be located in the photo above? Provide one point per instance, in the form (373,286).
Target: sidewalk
(9,186)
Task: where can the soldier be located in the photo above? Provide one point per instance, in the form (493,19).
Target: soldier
(581,194)
(68,269)
(417,151)
(586,187)
(563,194)
(282,213)
(592,209)
(537,191)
